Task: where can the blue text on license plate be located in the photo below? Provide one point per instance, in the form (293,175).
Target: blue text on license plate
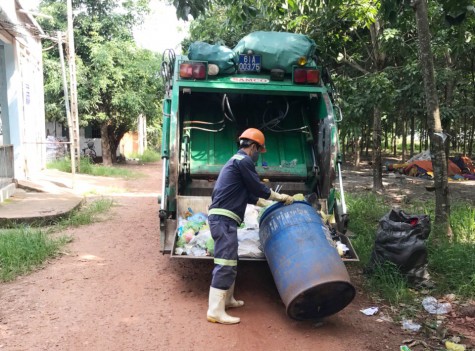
(249,63)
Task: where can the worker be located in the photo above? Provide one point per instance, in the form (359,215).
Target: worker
(237,185)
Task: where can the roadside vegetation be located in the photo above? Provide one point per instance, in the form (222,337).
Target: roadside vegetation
(86,167)
(24,248)
(451,262)
(147,156)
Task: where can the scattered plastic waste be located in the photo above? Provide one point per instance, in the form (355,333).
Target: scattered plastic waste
(250,217)
(370,311)
(404,348)
(341,248)
(432,306)
(408,324)
(249,244)
(451,346)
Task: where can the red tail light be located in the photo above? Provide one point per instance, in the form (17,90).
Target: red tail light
(193,70)
(313,76)
(306,76)
(186,70)
(199,71)
(300,76)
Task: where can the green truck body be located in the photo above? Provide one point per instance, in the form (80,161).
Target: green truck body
(203,118)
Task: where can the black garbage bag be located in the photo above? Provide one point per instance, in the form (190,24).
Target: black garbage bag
(401,239)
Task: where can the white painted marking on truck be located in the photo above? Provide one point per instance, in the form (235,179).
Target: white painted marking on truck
(249,80)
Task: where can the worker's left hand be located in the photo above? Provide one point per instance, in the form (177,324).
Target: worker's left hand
(286,199)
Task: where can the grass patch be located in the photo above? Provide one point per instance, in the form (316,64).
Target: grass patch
(390,284)
(451,263)
(88,214)
(24,248)
(147,156)
(64,165)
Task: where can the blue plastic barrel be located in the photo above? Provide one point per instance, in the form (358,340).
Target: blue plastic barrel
(311,277)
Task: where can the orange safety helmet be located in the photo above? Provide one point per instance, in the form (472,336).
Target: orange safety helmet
(255,135)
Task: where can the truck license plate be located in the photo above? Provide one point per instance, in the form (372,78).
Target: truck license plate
(249,63)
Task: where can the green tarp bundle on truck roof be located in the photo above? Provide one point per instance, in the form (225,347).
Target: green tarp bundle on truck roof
(222,56)
(277,49)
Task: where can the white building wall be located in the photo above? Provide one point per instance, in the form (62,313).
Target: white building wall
(25,93)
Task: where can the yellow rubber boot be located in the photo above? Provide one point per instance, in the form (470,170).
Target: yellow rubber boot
(216,312)
(231,302)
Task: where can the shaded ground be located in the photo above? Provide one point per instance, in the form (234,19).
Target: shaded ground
(113,290)
(404,189)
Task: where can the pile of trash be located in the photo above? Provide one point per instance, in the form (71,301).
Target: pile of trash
(194,236)
(459,167)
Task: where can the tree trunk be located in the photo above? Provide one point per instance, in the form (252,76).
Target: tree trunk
(362,140)
(438,156)
(105,143)
(379,59)
(357,150)
(367,142)
(472,133)
(386,145)
(471,139)
(465,132)
(413,132)
(404,138)
(377,162)
(395,140)
(449,98)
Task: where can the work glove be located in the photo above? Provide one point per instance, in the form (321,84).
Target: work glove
(286,199)
(263,203)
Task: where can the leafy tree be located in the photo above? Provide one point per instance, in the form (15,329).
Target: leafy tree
(117,81)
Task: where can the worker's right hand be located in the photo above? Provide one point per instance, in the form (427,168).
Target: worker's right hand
(263,203)
(286,199)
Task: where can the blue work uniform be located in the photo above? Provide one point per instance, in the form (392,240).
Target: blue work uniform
(237,185)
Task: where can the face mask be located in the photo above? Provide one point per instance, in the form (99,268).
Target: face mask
(255,156)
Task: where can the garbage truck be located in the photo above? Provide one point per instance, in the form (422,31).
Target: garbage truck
(204,113)
(274,82)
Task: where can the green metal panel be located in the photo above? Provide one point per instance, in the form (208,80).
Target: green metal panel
(208,149)
(286,153)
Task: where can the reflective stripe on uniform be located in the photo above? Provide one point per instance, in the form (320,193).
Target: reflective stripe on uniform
(224,212)
(238,157)
(224,262)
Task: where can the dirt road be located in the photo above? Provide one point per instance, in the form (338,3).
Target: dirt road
(113,290)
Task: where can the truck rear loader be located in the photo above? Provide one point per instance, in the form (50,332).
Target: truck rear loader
(206,108)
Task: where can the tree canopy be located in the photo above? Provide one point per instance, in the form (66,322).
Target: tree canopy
(117,81)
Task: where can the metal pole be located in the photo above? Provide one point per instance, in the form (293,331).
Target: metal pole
(73,83)
(68,112)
